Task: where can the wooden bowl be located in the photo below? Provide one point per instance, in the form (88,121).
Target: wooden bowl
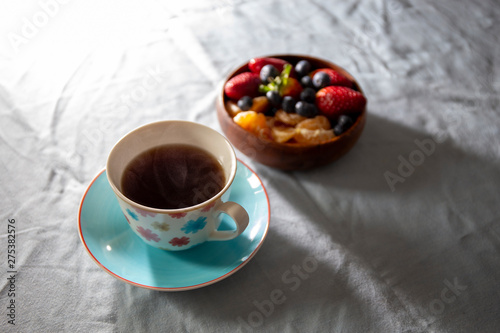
(289,156)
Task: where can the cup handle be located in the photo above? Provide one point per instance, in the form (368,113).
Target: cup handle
(239,216)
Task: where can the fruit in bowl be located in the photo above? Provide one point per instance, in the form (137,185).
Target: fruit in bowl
(291,112)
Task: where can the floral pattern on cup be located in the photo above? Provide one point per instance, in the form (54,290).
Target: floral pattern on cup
(148,234)
(177,215)
(193,226)
(144,213)
(161,226)
(132,214)
(207,208)
(179,241)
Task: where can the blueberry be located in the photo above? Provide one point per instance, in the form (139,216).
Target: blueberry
(305,109)
(321,79)
(343,123)
(271,112)
(288,104)
(302,68)
(344,120)
(308,95)
(338,129)
(245,103)
(307,82)
(268,73)
(274,97)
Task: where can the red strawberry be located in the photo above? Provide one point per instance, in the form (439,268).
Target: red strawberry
(256,64)
(292,88)
(244,84)
(336,78)
(333,101)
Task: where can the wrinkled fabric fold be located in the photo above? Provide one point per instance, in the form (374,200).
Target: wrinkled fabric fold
(400,235)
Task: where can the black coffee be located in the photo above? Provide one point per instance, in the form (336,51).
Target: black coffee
(172,176)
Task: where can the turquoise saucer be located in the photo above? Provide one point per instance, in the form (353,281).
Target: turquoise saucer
(109,240)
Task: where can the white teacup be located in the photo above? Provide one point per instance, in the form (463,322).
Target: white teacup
(183,228)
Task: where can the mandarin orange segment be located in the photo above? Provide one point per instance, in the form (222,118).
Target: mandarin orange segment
(282,134)
(232,108)
(291,119)
(271,121)
(318,122)
(303,135)
(253,122)
(260,104)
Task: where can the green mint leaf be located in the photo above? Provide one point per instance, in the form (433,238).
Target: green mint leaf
(286,70)
(263,88)
(271,86)
(285,74)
